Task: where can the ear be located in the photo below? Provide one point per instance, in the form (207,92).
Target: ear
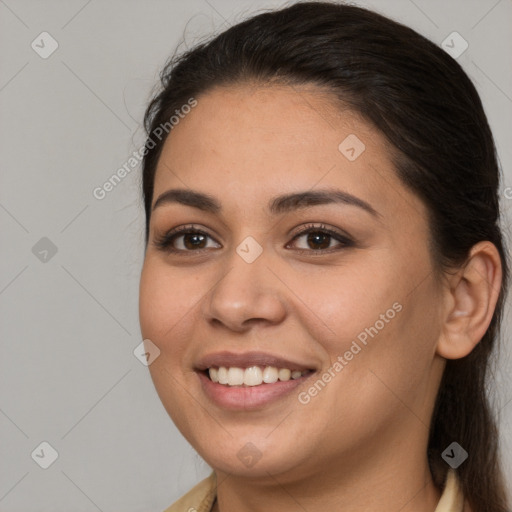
(470,300)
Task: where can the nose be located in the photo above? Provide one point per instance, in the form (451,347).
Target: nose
(245,294)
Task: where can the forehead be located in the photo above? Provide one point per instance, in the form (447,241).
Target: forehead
(244,144)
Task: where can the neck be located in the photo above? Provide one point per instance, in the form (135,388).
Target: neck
(396,479)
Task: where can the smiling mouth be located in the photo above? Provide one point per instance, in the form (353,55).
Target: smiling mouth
(252,376)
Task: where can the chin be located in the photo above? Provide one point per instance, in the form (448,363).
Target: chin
(251,456)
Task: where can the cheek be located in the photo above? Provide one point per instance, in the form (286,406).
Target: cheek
(166,298)
(165,305)
(347,301)
(396,359)
(375,320)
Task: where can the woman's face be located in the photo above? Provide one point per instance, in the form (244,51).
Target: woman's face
(354,301)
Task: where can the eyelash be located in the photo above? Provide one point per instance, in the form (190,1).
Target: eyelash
(164,242)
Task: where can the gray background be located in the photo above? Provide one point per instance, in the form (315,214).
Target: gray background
(69,320)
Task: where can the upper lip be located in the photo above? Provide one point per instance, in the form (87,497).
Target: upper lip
(247,359)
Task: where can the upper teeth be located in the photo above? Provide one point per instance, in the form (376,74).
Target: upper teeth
(252,376)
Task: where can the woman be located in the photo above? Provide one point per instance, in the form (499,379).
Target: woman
(324,274)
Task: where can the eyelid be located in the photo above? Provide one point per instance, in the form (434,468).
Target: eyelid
(164,241)
(343,238)
(320,226)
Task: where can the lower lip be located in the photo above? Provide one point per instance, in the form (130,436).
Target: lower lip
(242,398)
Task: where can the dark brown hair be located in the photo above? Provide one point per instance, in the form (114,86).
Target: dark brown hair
(420,98)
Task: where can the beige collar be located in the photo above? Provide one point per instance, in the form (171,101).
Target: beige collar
(452,499)
(202,497)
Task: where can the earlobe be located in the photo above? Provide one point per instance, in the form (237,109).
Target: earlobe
(473,292)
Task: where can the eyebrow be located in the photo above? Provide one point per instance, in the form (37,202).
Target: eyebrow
(278,205)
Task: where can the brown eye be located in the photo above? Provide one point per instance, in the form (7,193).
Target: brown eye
(187,239)
(183,240)
(319,239)
(194,240)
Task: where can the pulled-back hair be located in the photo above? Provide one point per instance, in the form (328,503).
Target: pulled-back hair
(442,148)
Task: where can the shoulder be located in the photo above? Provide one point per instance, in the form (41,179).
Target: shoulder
(199,499)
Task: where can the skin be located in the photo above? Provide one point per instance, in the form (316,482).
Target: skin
(360,443)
